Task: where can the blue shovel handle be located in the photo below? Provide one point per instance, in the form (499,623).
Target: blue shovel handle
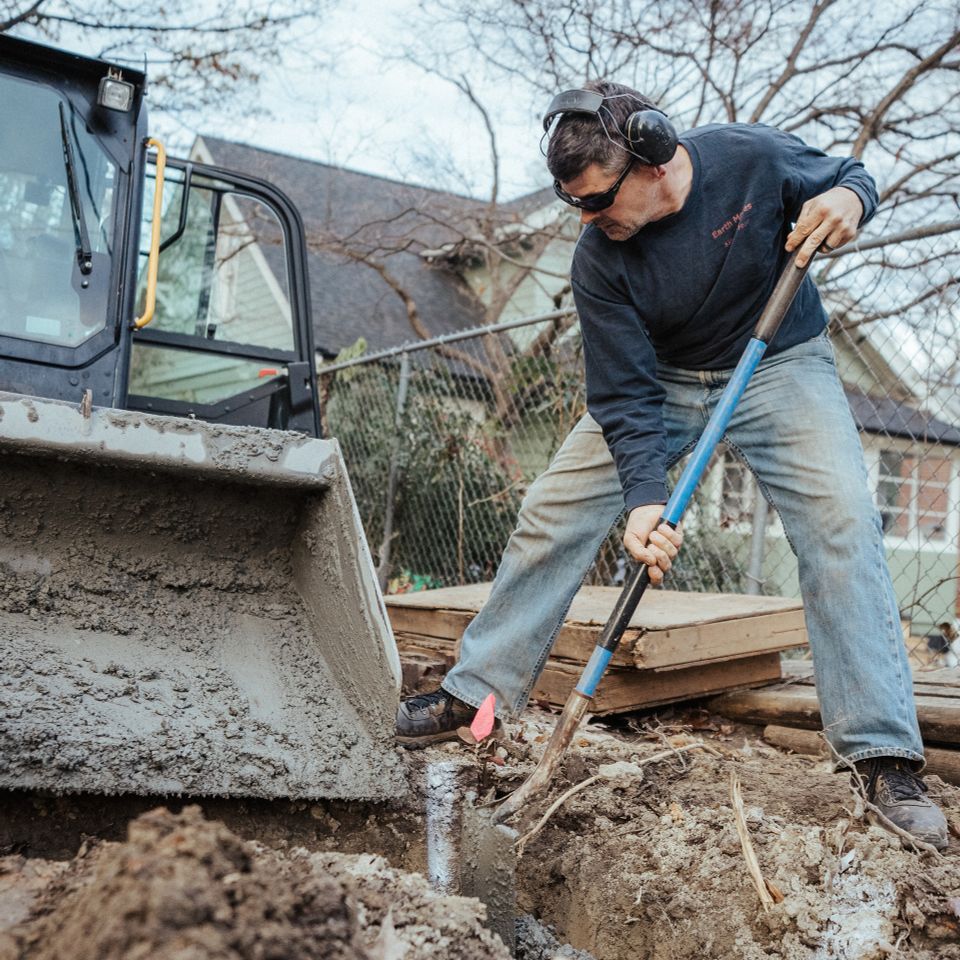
(639,579)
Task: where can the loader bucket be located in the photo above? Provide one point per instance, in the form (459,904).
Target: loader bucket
(186,608)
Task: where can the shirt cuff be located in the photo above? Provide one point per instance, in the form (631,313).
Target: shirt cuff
(650,491)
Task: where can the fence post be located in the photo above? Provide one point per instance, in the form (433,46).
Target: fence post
(758,532)
(383,567)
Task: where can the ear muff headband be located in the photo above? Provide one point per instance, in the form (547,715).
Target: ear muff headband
(652,138)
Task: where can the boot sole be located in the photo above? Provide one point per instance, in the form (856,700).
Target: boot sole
(418,743)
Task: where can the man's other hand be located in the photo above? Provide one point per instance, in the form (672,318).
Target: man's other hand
(657,548)
(829,220)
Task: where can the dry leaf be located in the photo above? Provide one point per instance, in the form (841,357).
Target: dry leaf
(466,736)
(774,891)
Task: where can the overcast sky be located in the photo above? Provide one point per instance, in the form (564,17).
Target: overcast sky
(372,112)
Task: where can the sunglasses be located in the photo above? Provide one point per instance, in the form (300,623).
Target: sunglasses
(593,202)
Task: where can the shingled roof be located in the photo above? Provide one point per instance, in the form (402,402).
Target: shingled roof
(391,220)
(895,418)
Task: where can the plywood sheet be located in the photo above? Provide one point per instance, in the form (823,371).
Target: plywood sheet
(669,629)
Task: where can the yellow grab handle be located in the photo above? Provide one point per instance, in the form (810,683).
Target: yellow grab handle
(154,261)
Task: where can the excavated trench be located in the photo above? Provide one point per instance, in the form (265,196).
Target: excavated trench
(647,867)
(42,834)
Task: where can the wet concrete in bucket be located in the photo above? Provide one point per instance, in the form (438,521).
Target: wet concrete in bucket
(173,634)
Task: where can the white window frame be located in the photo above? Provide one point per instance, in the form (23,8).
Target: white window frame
(873,445)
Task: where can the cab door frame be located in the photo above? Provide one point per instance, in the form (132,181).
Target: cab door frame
(296,390)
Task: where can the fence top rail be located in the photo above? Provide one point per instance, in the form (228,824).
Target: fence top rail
(415,345)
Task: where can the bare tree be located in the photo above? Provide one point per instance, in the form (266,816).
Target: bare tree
(488,249)
(198,54)
(881,87)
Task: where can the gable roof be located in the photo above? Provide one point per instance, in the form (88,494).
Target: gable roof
(897,418)
(389,220)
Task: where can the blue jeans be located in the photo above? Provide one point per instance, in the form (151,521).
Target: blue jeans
(794,430)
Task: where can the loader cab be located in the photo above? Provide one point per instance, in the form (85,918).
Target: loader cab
(229,339)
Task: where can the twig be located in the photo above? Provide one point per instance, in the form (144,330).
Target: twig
(564,797)
(859,789)
(768,893)
(559,802)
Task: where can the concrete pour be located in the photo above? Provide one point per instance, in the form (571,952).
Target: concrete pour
(200,624)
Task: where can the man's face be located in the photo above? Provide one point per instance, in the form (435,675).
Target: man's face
(637,202)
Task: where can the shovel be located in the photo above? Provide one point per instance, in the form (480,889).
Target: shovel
(582,695)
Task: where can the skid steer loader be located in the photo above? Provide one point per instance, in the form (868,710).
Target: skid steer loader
(187,603)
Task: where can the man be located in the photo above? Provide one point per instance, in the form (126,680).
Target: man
(679,253)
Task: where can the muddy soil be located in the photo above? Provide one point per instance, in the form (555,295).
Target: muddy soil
(184,888)
(649,866)
(644,863)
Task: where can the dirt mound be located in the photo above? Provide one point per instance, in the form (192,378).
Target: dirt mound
(184,888)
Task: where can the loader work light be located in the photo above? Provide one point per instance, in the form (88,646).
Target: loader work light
(115,93)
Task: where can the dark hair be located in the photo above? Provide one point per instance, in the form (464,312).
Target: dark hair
(580,139)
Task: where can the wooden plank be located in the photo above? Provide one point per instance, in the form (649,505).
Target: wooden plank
(945,675)
(433,622)
(941,763)
(416,643)
(626,688)
(721,640)
(669,629)
(797,706)
(622,690)
(661,610)
(933,683)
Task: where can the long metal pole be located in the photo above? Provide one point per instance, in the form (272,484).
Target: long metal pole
(383,567)
(758,533)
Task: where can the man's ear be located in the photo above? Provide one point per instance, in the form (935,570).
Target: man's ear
(651,172)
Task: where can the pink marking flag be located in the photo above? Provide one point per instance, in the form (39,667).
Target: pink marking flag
(483,721)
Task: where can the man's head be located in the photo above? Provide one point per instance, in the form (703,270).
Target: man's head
(588,155)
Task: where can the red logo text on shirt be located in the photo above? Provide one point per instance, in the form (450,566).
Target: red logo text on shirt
(729,227)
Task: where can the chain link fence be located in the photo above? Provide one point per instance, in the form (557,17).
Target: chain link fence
(442,438)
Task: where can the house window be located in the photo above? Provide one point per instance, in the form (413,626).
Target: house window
(736,502)
(738,492)
(913,495)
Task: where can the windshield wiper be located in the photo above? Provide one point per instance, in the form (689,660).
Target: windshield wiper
(84,253)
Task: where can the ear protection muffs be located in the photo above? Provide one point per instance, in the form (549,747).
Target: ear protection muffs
(650,135)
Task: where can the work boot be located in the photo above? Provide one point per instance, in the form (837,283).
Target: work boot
(431,717)
(901,796)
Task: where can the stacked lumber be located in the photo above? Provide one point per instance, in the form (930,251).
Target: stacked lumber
(791,712)
(678,646)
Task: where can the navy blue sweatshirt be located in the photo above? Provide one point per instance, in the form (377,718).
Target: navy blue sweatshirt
(688,289)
